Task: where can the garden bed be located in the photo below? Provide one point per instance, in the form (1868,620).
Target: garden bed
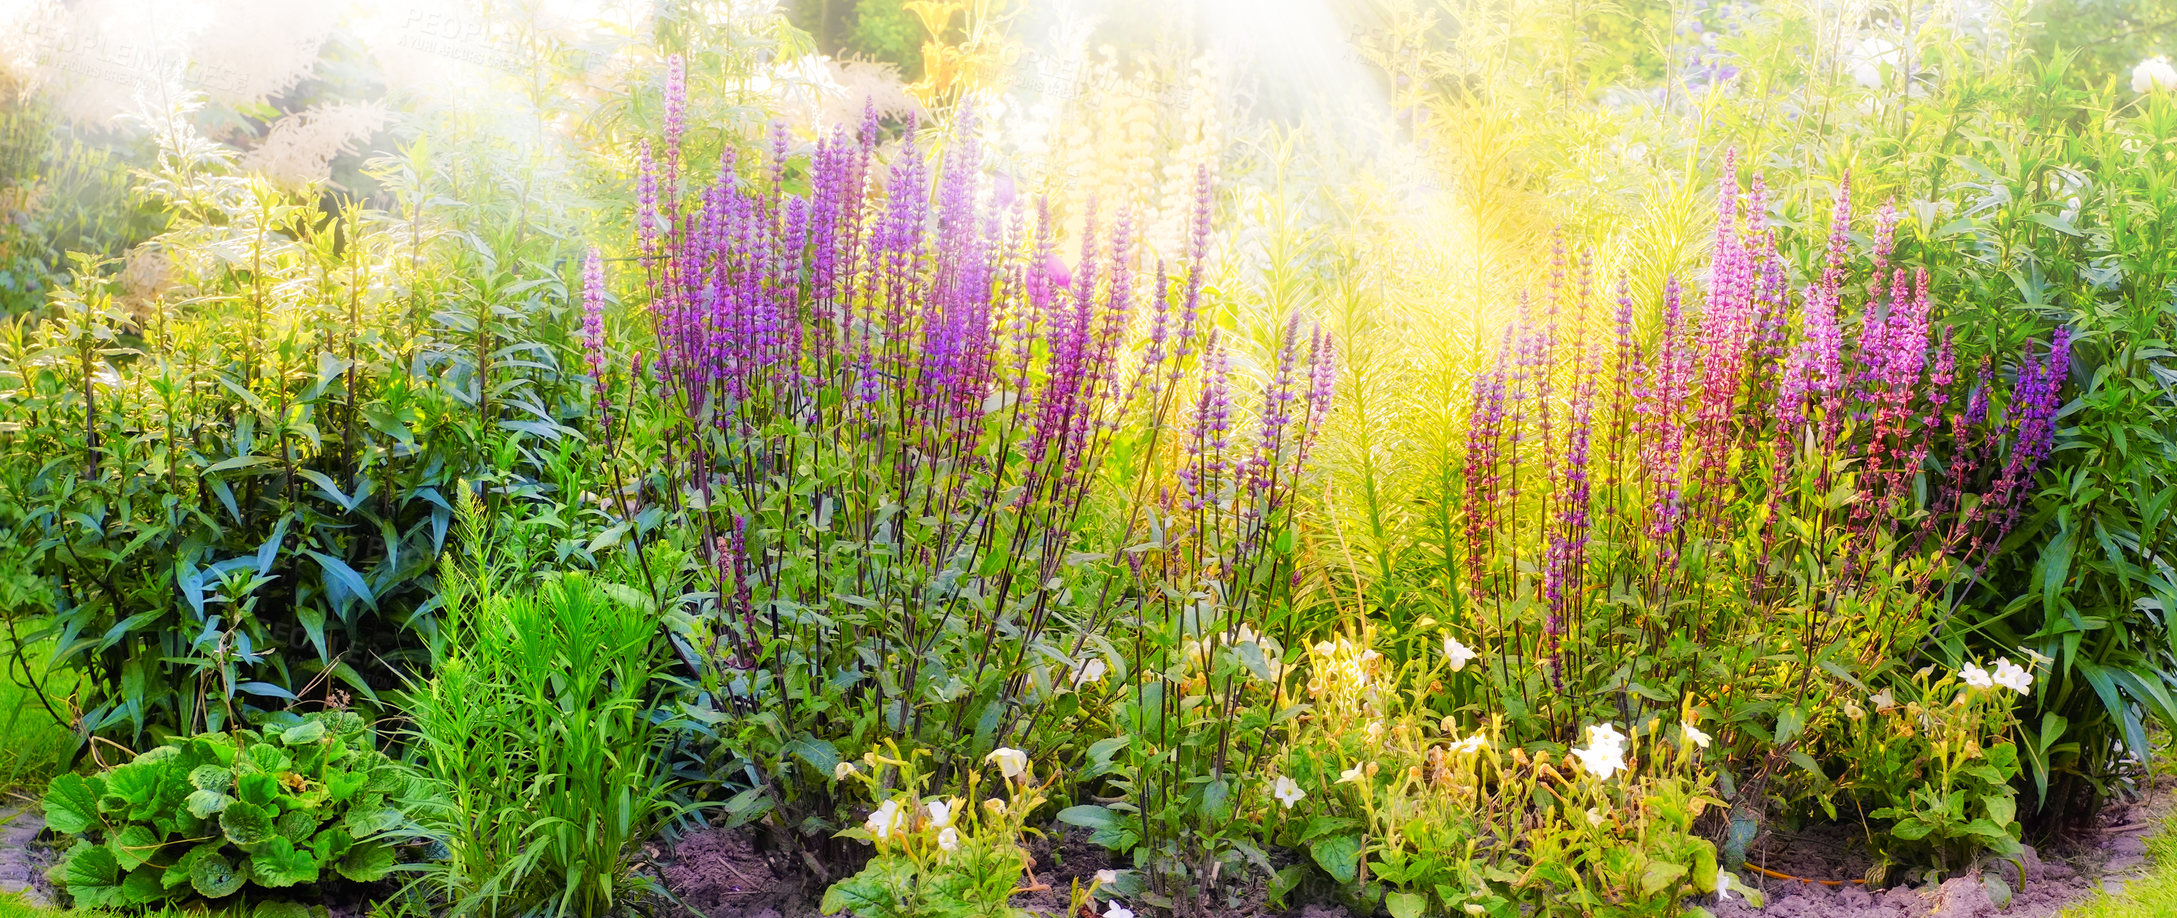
(1107,459)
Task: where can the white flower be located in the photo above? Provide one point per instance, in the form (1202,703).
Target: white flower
(1011,762)
(1459,654)
(1115,910)
(1694,735)
(1882,701)
(2013,676)
(940,813)
(1091,670)
(1475,908)
(1976,676)
(948,839)
(1107,877)
(2154,75)
(886,819)
(1287,791)
(1869,57)
(1723,884)
(1350,775)
(1471,744)
(1374,731)
(842,771)
(1605,752)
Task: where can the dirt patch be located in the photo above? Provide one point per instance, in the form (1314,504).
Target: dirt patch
(2104,858)
(738,873)
(1060,858)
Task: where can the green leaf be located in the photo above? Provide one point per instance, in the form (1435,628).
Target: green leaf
(1911,829)
(236,462)
(366,861)
(281,908)
(211,777)
(134,845)
(331,845)
(820,754)
(92,876)
(1660,875)
(309,731)
(1087,815)
(297,825)
(246,824)
(205,804)
(213,876)
(130,789)
(71,804)
(343,784)
(141,887)
(364,820)
(258,788)
(1339,856)
(2002,808)
(279,863)
(338,572)
(1405,904)
(177,876)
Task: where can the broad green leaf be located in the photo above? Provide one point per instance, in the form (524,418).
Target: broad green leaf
(1338,855)
(366,861)
(1087,815)
(91,875)
(140,887)
(1405,904)
(257,787)
(246,824)
(309,731)
(211,777)
(213,876)
(71,804)
(1660,875)
(133,845)
(278,863)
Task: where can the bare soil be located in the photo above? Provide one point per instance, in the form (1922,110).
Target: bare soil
(739,873)
(1822,864)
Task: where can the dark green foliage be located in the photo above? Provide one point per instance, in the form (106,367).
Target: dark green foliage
(234,491)
(2083,214)
(303,800)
